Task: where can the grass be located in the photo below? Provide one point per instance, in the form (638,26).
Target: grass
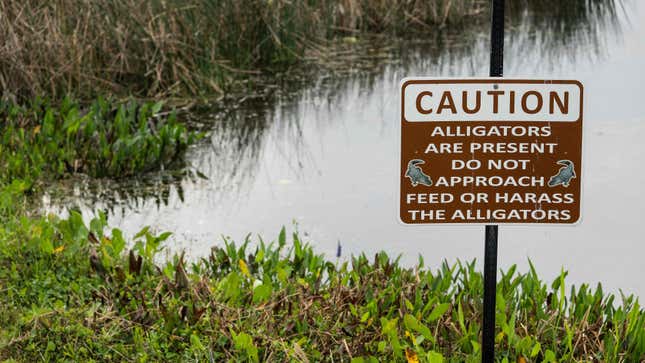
(73,292)
(187,48)
(162,48)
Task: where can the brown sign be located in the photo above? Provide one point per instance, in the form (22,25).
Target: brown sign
(490,151)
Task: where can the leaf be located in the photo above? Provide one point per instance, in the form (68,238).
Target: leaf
(230,286)
(411,356)
(412,323)
(282,238)
(536,349)
(412,338)
(381,346)
(244,268)
(460,318)
(118,242)
(98,223)
(142,232)
(262,293)
(476,346)
(389,329)
(195,343)
(549,356)
(438,311)
(499,337)
(201,175)
(156,108)
(259,257)
(164,236)
(46,246)
(244,342)
(408,305)
(434,357)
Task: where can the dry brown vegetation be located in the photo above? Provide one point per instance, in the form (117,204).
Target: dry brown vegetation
(161,48)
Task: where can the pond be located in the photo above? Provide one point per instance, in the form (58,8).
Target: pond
(317,150)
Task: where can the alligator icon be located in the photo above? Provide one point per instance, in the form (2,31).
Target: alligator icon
(564,175)
(415,173)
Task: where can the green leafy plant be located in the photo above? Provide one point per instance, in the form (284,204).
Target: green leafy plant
(69,291)
(102,140)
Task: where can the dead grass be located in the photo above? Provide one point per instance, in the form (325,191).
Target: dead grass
(168,48)
(180,47)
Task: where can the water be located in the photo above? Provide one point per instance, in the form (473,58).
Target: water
(320,154)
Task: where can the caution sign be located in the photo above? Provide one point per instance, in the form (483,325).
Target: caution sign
(490,151)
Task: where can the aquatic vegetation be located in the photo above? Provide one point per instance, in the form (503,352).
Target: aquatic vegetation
(180,47)
(71,291)
(103,139)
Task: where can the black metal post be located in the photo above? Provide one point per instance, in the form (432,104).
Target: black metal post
(490,252)
(497,39)
(490,288)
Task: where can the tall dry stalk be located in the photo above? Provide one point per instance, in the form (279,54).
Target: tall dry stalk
(156,48)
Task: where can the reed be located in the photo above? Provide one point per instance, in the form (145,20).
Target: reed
(193,47)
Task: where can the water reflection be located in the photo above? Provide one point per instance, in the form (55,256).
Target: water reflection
(319,145)
(117,197)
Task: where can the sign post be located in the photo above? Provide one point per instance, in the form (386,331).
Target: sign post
(490,234)
(490,151)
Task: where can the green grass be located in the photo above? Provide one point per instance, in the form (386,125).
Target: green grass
(73,292)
